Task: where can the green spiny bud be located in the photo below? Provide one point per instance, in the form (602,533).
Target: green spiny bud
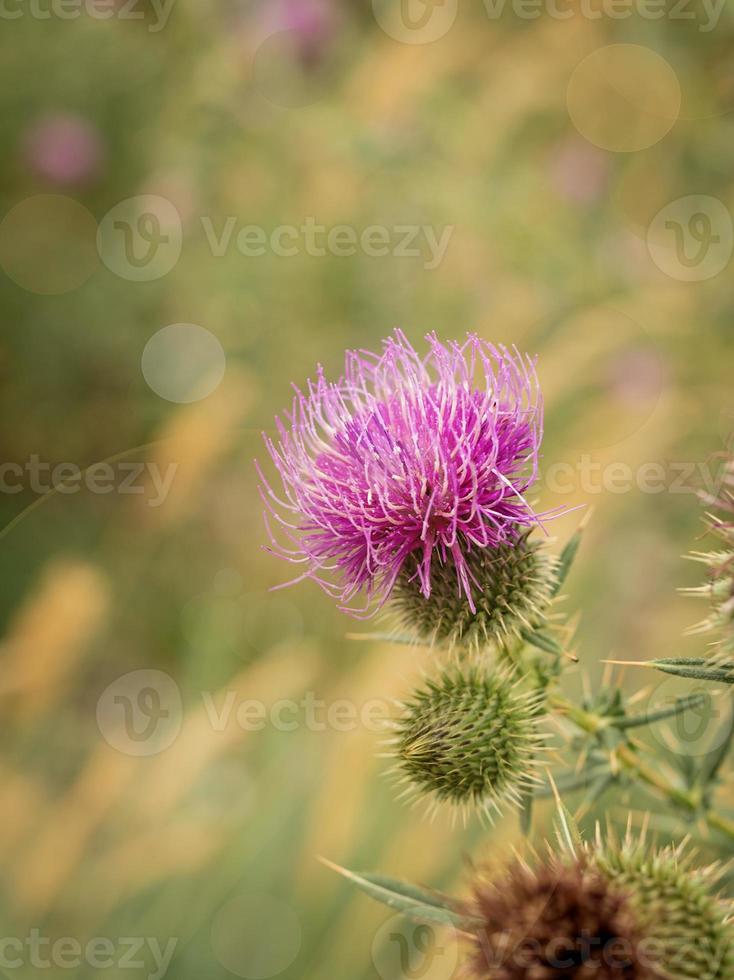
(469,738)
(512,587)
(676,905)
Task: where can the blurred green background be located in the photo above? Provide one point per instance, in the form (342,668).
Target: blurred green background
(571,153)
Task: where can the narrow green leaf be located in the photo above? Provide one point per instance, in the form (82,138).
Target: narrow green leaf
(566,559)
(411,900)
(696,669)
(542,641)
(567,830)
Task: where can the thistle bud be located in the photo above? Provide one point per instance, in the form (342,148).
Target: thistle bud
(514,586)
(469,738)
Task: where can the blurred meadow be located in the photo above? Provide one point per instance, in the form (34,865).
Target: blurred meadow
(555,176)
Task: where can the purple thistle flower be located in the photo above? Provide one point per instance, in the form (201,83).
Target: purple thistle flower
(406,456)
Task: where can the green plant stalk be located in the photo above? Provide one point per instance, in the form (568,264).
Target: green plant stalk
(593,724)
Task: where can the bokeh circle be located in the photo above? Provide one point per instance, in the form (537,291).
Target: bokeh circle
(256,936)
(47,244)
(183,362)
(624,97)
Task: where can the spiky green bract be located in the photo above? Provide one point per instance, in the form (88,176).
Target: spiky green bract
(469,738)
(676,905)
(514,584)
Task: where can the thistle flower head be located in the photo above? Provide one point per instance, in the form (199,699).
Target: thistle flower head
(469,738)
(406,462)
(515,584)
(561,918)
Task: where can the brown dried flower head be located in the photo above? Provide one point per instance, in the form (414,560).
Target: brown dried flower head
(559,919)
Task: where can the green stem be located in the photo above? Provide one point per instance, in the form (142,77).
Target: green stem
(631,761)
(593,724)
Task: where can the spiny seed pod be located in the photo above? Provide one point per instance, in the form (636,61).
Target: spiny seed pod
(560,918)
(676,905)
(469,738)
(514,584)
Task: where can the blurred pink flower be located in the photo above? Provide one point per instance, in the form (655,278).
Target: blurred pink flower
(637,376)
(63,149)
(311,23)
(579,171)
